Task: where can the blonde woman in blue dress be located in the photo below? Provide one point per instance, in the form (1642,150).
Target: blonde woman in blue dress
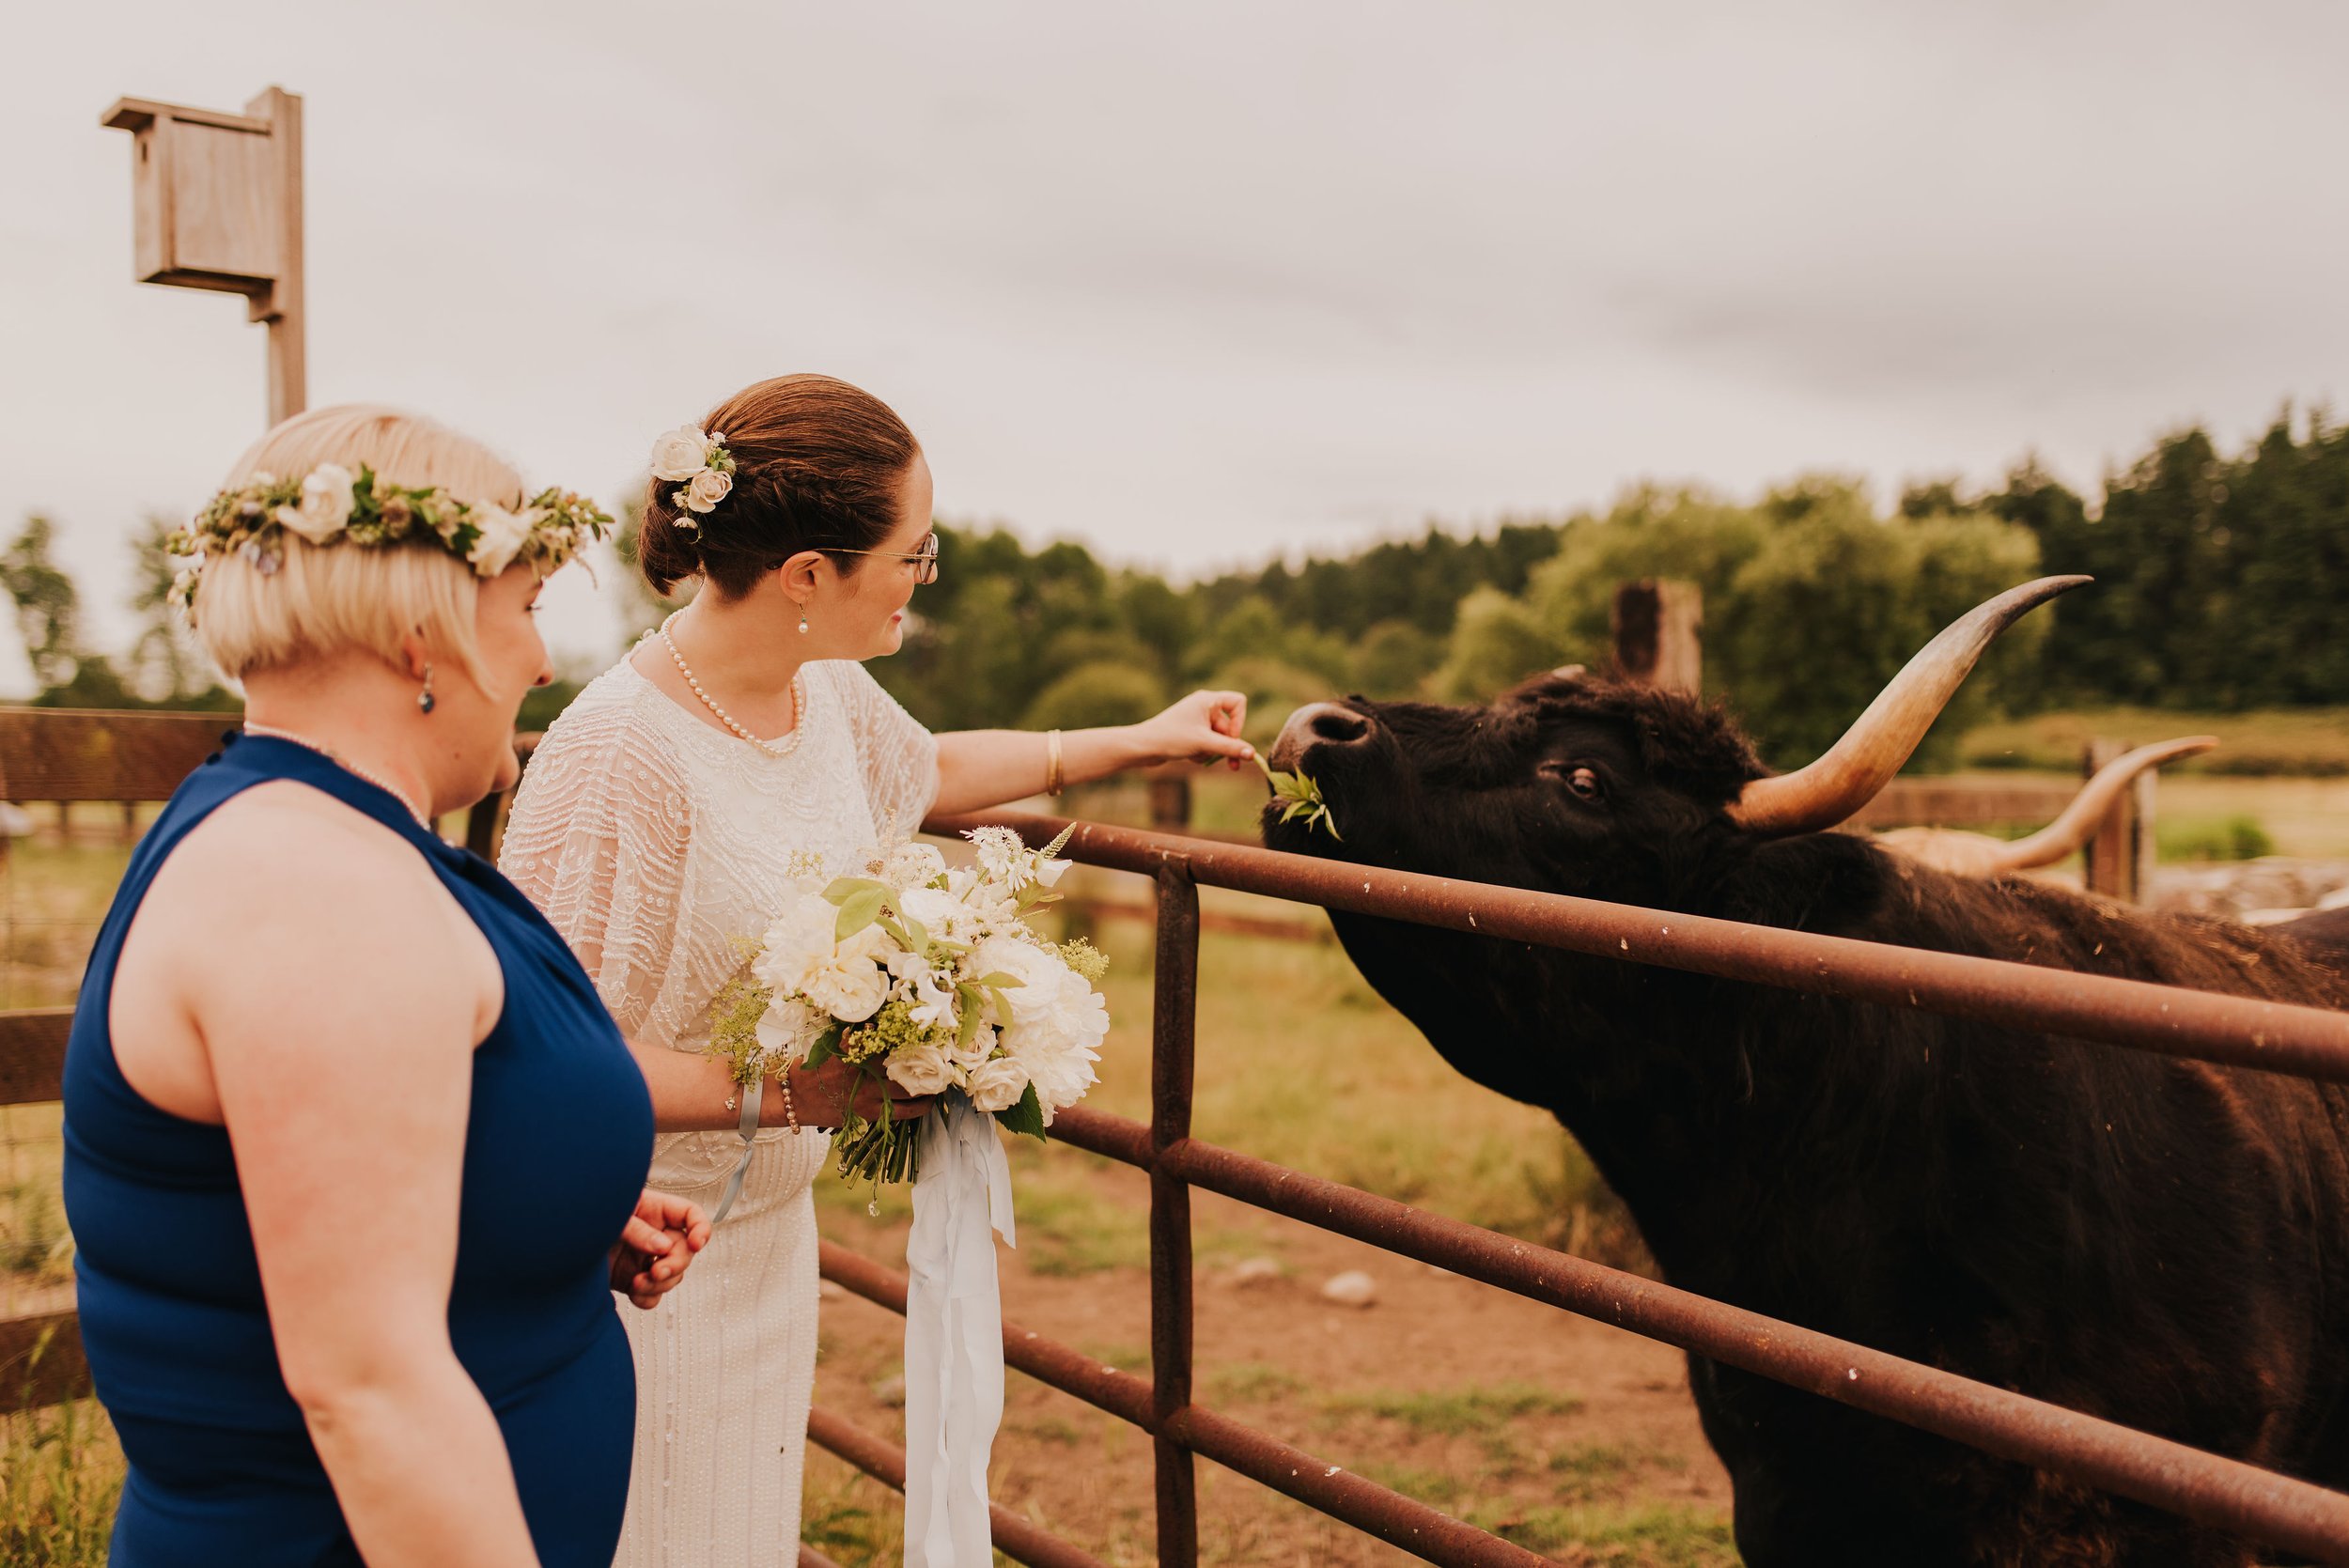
(666,815)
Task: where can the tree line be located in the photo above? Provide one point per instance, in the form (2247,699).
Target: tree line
(2217,577)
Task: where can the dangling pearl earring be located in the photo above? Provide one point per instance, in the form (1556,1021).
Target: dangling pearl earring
(424,698)
(803,625)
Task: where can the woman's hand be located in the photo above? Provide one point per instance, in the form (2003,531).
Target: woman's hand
(1202,727)
(823,1095)
(655,1245)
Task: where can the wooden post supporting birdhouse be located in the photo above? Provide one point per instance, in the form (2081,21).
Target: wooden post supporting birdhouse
(216,204)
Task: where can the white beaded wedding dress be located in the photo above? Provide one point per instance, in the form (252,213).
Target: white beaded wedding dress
(653,842)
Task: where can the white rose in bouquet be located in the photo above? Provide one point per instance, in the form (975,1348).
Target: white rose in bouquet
(945,917)
(1058,1045)
(798,939)
(974,1051)
(788,1028)
(997,1085)
(924,1069)
(1038,969)
(850,984)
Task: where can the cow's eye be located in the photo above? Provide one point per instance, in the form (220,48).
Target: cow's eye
(1583,781)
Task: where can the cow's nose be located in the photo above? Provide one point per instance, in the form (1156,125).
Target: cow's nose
(1318,724)
(1335,724)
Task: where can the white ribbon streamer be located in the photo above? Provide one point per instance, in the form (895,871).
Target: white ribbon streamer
(953,1335)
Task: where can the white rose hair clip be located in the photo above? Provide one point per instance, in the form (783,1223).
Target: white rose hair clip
(329,506)
(700,467)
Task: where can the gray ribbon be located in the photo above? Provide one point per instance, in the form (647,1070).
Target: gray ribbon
(752,1094)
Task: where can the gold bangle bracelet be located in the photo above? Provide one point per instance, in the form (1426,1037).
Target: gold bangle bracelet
(1051,767)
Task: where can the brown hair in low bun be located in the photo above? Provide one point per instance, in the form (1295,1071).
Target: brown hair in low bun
(818,466)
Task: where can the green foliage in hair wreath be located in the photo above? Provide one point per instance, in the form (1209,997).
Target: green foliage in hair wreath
(251,520)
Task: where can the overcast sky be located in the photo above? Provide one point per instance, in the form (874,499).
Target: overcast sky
(1203,283)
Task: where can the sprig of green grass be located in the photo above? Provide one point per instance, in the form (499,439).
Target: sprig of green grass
(1304,796)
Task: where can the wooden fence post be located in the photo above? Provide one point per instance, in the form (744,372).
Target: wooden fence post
(1169,802)
(2121,857)
(1655,623)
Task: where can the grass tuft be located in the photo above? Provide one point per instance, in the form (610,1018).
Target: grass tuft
(1456,1412)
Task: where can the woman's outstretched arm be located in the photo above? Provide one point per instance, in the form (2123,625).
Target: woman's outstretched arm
(978,768)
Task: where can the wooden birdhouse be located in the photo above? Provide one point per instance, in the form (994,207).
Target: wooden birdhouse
(216,203)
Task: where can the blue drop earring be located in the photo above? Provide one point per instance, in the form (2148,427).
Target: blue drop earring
(424,698)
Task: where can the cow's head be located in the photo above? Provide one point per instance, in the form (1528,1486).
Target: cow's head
(1583,785)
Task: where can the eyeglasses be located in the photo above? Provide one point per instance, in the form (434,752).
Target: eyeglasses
(926,559)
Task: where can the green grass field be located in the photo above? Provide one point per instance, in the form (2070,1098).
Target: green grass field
(2308,742)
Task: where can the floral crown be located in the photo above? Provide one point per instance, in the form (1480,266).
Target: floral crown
(329,506)
(700,467)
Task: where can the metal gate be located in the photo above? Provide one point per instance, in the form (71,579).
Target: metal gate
(2275,1036)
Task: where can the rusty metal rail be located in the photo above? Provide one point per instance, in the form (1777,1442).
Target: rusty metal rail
(2239,1031)
(2209,1488)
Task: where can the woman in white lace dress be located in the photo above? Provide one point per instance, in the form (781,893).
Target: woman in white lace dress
(662,818)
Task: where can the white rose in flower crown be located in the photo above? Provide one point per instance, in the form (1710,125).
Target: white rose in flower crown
(325,504)
(706,490)
(681,453)
(502,533)
(924,1069)
(997,1085)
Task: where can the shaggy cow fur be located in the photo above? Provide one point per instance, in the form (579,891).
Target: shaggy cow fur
(2161,1242)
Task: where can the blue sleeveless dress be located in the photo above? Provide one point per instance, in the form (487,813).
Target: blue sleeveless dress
(221,1467)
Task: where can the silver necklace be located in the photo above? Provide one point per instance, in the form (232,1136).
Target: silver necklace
(344,763)
(724,717)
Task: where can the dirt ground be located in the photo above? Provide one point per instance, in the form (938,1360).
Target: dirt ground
(1575,1440)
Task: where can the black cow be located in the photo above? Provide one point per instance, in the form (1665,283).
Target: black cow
(2160,1242)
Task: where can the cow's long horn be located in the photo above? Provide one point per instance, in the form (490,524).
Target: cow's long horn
(1873,749)
(2067,832)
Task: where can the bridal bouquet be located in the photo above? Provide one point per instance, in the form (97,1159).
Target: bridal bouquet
(929,976)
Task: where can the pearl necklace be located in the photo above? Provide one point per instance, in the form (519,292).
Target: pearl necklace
(798,702)
(344,763)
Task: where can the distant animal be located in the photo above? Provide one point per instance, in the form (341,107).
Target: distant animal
(2325,932)
(1982,855)
(2161,1242)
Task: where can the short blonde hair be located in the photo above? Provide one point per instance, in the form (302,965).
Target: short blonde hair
(325,599)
